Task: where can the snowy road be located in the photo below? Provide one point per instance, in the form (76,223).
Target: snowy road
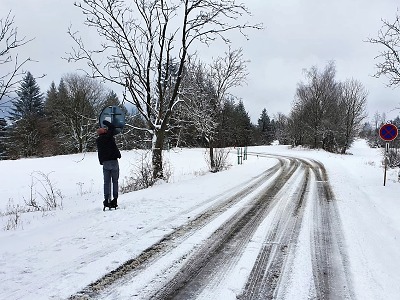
(274,221)
(271,226)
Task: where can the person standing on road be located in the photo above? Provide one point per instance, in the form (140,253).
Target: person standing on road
(108,154)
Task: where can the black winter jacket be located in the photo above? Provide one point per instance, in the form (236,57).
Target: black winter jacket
(106,147)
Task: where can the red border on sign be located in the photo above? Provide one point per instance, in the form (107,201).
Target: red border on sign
(388,127)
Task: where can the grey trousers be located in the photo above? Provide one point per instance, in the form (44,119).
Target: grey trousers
(111,174)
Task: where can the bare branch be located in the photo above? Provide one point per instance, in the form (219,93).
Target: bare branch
(389,37)
(145,46)
(10,64)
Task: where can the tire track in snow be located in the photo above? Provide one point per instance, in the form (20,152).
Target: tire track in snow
(220,252)
(270,263)
(331,278)
(329,260)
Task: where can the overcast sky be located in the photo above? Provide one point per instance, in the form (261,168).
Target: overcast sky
(298,34)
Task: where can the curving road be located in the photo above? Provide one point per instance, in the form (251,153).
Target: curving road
(278,236)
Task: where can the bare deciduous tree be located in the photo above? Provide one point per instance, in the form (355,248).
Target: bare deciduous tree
(11,65)
(281,124)
(327,114)
(200,106)
(145,47)
(206,89)
(389,37)
(228,71)
(353,103)
(316,99)
(74,108)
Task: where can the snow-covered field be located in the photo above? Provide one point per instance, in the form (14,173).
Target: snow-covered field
(52,254)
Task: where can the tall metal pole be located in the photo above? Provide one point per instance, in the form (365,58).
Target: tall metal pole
(386,151)
(384,177)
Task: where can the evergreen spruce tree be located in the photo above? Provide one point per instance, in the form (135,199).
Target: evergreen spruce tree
(51,108)
(264,121)
(265,128)
(50,103)
(226,130)
(3,127)
(29,102)
(27,116)
(243,126)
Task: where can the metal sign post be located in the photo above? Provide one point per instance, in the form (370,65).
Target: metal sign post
(240,155)
(386,152)
(388,133)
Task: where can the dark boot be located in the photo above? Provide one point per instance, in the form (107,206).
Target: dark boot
(114,203)
(106,204)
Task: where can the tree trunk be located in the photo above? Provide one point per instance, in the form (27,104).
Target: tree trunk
(179,138)
(157,161)
(211,148)
(212,162)
(343,151)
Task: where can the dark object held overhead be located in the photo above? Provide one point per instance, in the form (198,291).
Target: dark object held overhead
(115,116)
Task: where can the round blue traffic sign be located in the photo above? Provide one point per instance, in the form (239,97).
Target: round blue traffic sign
(388,132)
